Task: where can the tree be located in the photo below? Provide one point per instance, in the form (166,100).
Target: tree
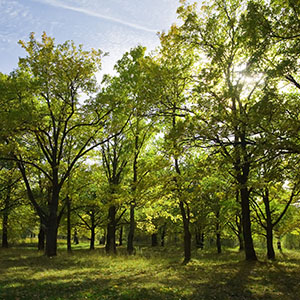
(115,159)
(277,189)
(235,224)
(130,79)
(216,190)
(228,91)
(10,197)
(61,128)
(171,74)
(275,32)
(91,208)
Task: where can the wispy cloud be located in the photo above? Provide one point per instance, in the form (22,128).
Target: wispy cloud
(97,15)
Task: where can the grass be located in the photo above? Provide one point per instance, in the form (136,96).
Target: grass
(150,274)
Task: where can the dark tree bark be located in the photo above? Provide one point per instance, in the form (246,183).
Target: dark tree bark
(269,226)
(218,243)
(154,241)
(199,238)
(93,227)
(218,234)
(51,218)
(130,248)
(110,246)
(5,230)
(246,222)
(52,222)
(238,222)
(92,239)
(242,167)
(185,214)
(163,235)
(175,238)
(102,239)
(41,238)
(6,211)
(51,236)
(69,245)
(241,242)
(279,247)
(75,238)
(187,234)
(121,236)
(239,233)
(270,247)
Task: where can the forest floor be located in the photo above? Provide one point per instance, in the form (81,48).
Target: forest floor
(150,274)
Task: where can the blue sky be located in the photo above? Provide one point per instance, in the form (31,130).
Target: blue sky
(114,26)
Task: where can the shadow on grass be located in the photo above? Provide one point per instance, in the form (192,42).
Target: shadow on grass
(97,289)
(286,275)
(82,286)
(92,275)
(83,275)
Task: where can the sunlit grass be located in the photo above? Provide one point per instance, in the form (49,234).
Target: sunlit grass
(150,274)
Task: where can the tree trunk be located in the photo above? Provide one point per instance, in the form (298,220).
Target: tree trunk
(242,167)
(175,238)
(121,236)
(269,227)
(69,246)
(187,244)
(52,220)
(154,241)
(246,222)
(75,239)
(240,233)
(218,234)
(4,229)
(218,243)
(51,236)
(238,223)
(241,241)
(110,246)
(5,217)
(185,212)
(187,234)
(163,235)
(41,238)
(93,227)
(92,240)
(279,247)
(130,247)
(199,238)
(102,239)
(270,247)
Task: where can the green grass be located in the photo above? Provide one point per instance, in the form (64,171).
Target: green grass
(150,274)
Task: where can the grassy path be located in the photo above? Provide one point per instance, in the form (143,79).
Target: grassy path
(26,274)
